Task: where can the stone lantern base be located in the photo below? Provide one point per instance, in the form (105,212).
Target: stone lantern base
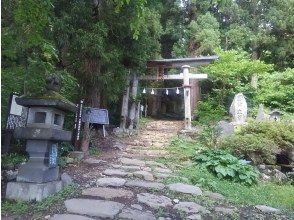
(32,191)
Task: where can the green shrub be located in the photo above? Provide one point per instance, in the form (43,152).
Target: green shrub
(208,112)
(252,147)
(12,159)
(260,141)
(226,166)
(281,133)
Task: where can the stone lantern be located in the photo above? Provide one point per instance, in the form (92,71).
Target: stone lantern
(39,177)
(275,115)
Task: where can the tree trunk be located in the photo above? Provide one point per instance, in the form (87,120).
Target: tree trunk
(134,103)
(86,139)
(125,106)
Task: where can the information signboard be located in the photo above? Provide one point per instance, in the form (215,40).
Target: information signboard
(95,116)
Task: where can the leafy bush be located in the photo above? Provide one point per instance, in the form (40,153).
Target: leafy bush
(260,141)
(225,165)
(12,159)
(208,112)
(280,132)
(252,147)
(209,135)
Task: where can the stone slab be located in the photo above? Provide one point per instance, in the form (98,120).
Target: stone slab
(135,214)
(115,172)
(144,174)
(108,193)
(154,201)
(69,217)
(267,209)
(190,207)
(162,170)
(185,188)
(213,195)
(134,162)
(145,184)
(224,210)
(32,191)
(111,181)
(99,208)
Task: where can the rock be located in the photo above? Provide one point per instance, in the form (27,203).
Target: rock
(135,214)
(69,160)
(69,217)
(11,175)
(279,176)
(144,184)
(47,217)
(92,161)
(153,163)
(194,217)
(162,170)
(146,169)
(224,210)
(190,207)
(267,209)
(115,172)
(213,195)
(144,174)
(99,208)
(65,179)
(264,177)
(176,201)
(111,181)
(185,188)
(118,145)
(135,162)
(226,128)
(154,201)
(116,166)
(131,168)
(76,155)
(108,193)
(161,175)
(137,206)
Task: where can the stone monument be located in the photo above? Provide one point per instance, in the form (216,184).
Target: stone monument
(239,109)
(261,115)
(39,177)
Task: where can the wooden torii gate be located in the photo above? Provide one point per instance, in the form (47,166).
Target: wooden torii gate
(185,64)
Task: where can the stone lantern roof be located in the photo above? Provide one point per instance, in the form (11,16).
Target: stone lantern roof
(51,98)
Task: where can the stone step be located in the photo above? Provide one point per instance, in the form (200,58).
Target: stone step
(108,193)
(134,162)
(69,217)
(134,214)
(91,207)
(115,172)
(111,181)
(145,184)
(154,201)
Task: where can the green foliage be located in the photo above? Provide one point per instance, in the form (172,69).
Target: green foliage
(93,151)
(277,91)
(209,112)
(209,135)
(11,160)
(259,141)
(225,165)
(51,202)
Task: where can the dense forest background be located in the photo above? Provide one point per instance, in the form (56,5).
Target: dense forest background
(94,45)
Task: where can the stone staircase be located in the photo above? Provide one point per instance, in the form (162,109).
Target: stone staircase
(131,187)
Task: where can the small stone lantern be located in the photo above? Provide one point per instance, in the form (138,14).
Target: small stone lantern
(275,115)
(39,177)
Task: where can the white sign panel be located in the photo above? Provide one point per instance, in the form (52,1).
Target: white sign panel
(15,108)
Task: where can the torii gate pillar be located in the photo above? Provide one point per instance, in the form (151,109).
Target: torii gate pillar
(187,96)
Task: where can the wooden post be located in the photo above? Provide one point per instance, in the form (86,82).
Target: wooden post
(133,106)
(187,97)
(125,106)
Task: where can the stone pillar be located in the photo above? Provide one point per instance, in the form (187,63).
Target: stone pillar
(134,103)
(125,106)
(187,97)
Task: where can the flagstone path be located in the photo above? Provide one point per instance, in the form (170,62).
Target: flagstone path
(131,186)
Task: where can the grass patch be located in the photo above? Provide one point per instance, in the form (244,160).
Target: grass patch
(272,194)
(37,208)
